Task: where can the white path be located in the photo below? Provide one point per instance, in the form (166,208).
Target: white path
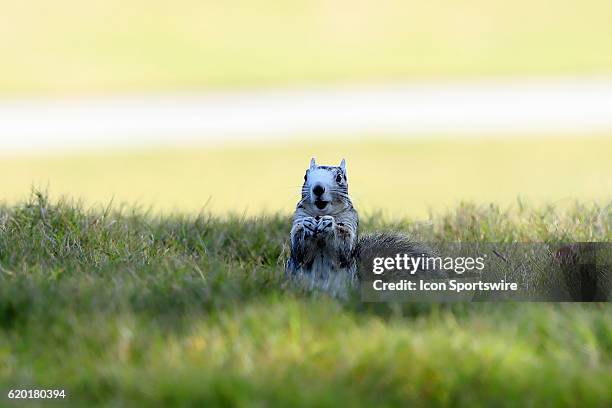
(464,108)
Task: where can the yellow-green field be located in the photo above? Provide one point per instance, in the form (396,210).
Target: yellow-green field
(401,178)
(123,309)
(66,46)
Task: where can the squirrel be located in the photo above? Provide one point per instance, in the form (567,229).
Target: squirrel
(325,237)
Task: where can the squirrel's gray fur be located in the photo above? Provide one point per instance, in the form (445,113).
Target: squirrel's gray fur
(325,238)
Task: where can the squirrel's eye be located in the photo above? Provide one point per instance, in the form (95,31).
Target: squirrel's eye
(339,178)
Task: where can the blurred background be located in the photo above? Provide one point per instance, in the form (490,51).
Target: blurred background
(190,105)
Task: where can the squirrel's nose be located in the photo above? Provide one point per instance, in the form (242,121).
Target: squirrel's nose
(318,190)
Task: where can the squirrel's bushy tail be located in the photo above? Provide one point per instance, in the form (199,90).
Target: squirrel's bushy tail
(388,245)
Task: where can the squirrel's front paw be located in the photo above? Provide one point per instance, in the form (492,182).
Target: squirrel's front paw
(325,225)
(310,226)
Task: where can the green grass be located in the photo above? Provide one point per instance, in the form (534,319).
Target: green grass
(405,178)
(130,309)
(70,46)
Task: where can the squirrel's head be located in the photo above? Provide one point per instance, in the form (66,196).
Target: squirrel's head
(325,189)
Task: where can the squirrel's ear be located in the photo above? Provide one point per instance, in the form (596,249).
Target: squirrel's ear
(313,165)
(343,166)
